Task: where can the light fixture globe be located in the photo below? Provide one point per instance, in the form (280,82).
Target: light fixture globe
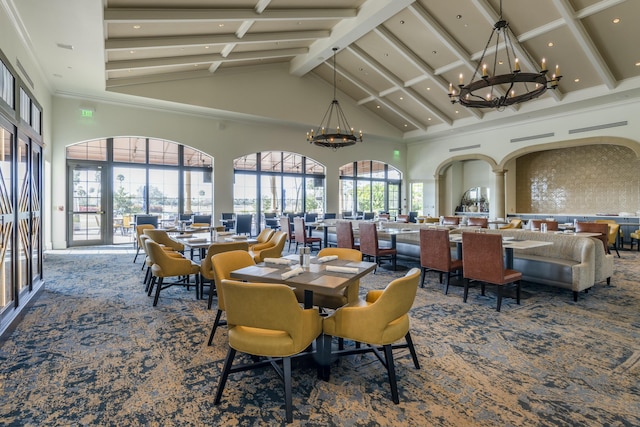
(334,130)
(498,91)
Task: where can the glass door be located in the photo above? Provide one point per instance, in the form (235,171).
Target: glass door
(8,296)
(87,219)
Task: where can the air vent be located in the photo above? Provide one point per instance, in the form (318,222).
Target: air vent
(469,147)
(598,127)
(24,73)
(529,138)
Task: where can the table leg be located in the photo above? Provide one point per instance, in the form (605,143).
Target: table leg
(326,236)
(308,298)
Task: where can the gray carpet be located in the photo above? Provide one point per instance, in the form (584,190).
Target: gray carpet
(93,351)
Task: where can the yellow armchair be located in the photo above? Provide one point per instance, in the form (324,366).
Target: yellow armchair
(165,265)
(206,266)
(266,320)
(163,238)
(274,248)
(265,235)
(515,223)
(380,320)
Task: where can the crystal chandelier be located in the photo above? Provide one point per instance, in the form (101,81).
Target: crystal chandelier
(341,135)
(493,90)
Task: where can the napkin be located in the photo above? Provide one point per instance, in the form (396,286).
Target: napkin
(238,236)
(338,269)
(327,258)
(282,261)
(197,240)
(290,274)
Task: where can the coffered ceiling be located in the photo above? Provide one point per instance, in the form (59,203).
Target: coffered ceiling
(396,58)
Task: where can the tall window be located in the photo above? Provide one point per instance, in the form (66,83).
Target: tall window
(149,176)
(417,197)
(370,186)
(279,182)
(6,85)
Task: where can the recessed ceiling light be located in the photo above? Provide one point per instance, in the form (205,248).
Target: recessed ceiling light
(457,111)
(429,119)
(638,64)
(377,106)
(458,16)
(402,22)
(132,52)
(616,20)
(550,44)
(576,80)
(136,27)
(428,88)
(206,47)
(220,25)
(406,125)
(402,98)
(500,62)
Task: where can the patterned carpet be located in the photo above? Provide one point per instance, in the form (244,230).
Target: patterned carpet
(93,351)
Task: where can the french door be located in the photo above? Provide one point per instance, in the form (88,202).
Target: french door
(87,219)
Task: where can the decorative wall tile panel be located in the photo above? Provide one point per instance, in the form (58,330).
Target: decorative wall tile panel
(579,180)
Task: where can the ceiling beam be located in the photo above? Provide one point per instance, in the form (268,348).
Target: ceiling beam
(128,43)
(200,59)
(371,14)
(142,15)
(585,42)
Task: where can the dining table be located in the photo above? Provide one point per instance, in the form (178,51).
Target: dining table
(201,241)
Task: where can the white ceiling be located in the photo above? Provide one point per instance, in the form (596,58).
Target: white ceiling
(396,58)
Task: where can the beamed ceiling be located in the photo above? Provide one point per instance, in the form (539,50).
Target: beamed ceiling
(396,58)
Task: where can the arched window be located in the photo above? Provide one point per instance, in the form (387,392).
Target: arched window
(280,181)
(369,186)
(113,180)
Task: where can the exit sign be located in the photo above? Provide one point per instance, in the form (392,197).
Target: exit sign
(86,113)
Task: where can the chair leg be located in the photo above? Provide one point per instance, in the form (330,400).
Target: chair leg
(151,285)
(228,361)
(138,251)
(288,399)
(422,274)
(446,283)
(412,350)
(466,290)
(216,322)
(499,297)
(391,370)
(518,292)
(212,289)
(158,289)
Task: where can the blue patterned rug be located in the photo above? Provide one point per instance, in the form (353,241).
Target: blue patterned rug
(93,351)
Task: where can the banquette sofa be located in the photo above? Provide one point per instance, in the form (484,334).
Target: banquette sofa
(572,262)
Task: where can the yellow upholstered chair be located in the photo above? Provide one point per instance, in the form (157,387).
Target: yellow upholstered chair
(165,266)
(149,263)
(223,264)
(635,236)
(139,232)
(350,293)
(431,220)
(266,320)
(615,233)
(275,251)
(514,223)
(263,237)
(206,266)
(379,321)
(162,237)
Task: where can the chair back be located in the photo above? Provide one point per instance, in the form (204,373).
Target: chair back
(595,227)
(331,215)
(146,219)
(614,229)
(451,220)
(285,225)
(165,265)
(368,239)
(342,253)
(368,216)
(243,223)
(265,235)
(435,250)
(551,225)
(206,265)
(413,216)
(300,230)
(278,241)
(402,218)
(482,257)
(383,216)
(161,237)
(514,223)
(474,221)
(226,262)
(271,308)
(310,217)
(140,231)
(344,235)
(201,219)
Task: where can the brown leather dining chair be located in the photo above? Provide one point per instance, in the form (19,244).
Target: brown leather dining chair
(435,255)
(344,235)
(451,220)
(300,229)
(595,227)
(370,246)
(478,222)
(483,261)
(286,226)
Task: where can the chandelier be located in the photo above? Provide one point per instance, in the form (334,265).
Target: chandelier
(326,135)
(493,90)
